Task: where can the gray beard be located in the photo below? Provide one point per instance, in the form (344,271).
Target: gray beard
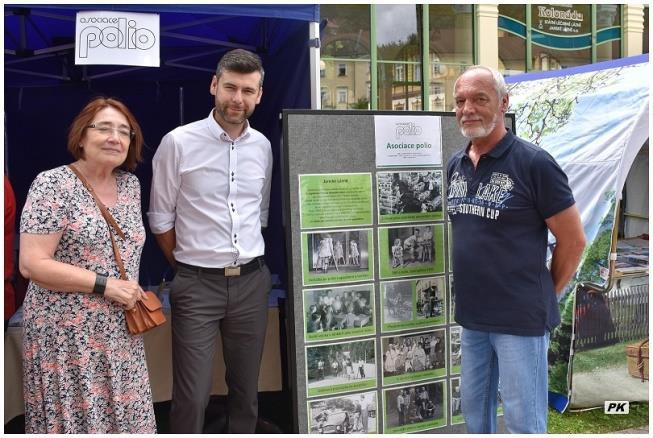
(479,132)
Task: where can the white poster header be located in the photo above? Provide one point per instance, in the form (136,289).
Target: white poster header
(117,38)
(408,140)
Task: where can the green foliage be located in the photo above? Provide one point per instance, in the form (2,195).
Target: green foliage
(362,103)
(596,255)
(595,421)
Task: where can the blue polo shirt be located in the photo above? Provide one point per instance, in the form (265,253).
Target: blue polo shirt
(497,213)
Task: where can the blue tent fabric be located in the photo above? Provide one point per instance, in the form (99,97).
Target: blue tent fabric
(39,109)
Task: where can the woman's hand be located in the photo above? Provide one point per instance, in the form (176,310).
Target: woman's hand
(124,293)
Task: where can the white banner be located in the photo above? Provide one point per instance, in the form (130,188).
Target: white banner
(117,38)
(408,140)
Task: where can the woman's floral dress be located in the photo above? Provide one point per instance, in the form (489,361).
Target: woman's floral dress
(83,371)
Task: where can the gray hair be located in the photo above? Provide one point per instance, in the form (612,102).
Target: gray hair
(499,81)
(240,61)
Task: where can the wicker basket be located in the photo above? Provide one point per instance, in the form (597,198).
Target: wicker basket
(637,355)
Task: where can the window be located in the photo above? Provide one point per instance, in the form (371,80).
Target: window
(608,32)
(342,95)
(324,94)
(451,45)
(512,39)
(399,49)
(345,52)
(399,73)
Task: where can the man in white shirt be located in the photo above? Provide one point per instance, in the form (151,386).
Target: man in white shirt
(209,201)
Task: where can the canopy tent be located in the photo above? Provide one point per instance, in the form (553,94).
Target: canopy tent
(44,89)
(594,120)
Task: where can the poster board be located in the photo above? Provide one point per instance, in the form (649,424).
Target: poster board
(369,275)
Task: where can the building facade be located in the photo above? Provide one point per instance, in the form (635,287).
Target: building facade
(407,57)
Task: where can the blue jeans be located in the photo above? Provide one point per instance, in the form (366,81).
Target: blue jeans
(521,363)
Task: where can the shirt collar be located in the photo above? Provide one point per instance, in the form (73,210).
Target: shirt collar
(217,130)
(501,148)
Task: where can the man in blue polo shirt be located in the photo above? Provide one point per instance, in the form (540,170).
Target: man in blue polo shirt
(504,194)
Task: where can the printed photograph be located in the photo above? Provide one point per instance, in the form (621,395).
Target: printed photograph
(415,408)
(337,256)
(339,312)
(354,413)
(409,196)
(341,367)
(411,250)
(454,344)
(456,411)
(430,303)
(414,357)
(411,304)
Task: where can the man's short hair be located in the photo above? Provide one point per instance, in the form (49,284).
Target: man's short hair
(240,61)
(499,81)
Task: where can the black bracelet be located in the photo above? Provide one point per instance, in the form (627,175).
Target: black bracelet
(100,284)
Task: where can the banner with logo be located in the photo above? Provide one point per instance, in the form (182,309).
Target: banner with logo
(408,140)
(117,38)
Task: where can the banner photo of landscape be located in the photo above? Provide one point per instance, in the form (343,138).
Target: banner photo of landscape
(408,141)
(353,413)
(340,367)
(411,304)
(415,408)
(339,312)
(335,200)
(411,250)
(117,38)
(593,120)
(337,256)
(409,196)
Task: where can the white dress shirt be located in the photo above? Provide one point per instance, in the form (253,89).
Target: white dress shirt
(215,192)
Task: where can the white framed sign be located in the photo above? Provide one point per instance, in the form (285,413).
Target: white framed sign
(117,38)
(408,140)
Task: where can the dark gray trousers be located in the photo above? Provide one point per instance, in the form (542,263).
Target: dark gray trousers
(203,305)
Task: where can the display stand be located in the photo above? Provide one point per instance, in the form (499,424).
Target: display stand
(373,346)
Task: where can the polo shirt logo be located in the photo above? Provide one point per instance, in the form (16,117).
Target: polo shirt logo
(457,186)
(497,191)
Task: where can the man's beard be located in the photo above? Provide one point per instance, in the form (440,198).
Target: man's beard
(222,110)
(480,131)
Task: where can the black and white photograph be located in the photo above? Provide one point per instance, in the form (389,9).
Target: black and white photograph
(337,256)
(430,299)
(415,408)
(456,411)
(414,357)
(341,367)
(411,250)
(397,299)
(339,312)
(455,334)
(409,196)
(410,245)
(353,413)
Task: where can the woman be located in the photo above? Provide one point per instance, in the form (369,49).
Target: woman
(83,371)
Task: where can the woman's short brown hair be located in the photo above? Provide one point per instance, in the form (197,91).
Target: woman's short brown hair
(85,117)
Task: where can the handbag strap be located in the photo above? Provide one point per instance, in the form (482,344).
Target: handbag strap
(108,217)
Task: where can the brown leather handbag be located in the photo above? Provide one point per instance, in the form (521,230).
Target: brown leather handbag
(147,313)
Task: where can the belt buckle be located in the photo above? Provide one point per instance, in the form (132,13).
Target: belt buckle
(232,271)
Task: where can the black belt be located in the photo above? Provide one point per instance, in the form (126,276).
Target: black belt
(229,271)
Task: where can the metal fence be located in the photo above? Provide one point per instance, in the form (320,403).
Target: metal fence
(606,319)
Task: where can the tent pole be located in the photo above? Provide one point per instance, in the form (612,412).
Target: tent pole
(314,48)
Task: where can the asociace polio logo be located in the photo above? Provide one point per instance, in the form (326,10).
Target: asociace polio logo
(124,38)
(406,128)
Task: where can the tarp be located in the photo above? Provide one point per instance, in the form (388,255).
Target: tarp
(44,90)
(593,120)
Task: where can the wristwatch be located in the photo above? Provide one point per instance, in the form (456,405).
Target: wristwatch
(100,284)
